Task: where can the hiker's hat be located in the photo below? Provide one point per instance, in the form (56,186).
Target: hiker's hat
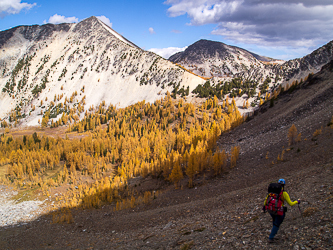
(282,181)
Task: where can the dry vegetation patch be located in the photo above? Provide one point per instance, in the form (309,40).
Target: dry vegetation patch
(309,211)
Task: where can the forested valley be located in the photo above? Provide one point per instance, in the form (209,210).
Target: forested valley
(169,140)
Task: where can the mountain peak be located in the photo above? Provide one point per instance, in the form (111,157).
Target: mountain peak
(92,23)
(215,59)
(206,41)
(91,18)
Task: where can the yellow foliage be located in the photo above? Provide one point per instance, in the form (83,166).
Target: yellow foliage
(192,167)
(317,132)
(132,202)
(143,139)
(176,174)
(275,94)
(292,135)
(63,216)
(219,161)
(234,156)
(147,196)
(280,157)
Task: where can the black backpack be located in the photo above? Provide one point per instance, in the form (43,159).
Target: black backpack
(275,188)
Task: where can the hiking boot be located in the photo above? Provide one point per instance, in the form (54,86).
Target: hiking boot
(271,240)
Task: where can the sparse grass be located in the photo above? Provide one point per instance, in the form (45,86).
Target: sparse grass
(3,171)
(187,246)
(26,195)
(252,219)
(53,173)
(52,132)
(199,229)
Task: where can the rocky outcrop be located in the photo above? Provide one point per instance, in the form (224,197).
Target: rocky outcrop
(300,67)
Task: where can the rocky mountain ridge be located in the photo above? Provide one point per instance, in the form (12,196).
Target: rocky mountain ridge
(87,61)
(215,59)
(300,67)
(219,61)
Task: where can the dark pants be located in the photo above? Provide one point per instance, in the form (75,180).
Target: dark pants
(277,221)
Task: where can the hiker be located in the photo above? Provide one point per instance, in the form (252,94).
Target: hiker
(274,204)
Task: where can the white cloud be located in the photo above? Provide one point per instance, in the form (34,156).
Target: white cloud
(55,19)
(167,52)
(8,7)
(151,30)
(105,20)
(280,23)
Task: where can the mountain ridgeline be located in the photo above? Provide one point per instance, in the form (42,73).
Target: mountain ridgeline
(218,60)
(44,63)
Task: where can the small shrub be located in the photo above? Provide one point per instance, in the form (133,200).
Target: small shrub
(317,132)
(187,246)
(271,104)
(309,211)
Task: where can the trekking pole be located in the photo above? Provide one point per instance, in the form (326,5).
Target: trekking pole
(300,212)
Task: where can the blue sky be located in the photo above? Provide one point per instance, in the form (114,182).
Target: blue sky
(285,29)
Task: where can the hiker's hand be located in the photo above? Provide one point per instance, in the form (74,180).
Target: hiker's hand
(264,209)
(299,201)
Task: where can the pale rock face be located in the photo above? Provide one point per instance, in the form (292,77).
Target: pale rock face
(38,63)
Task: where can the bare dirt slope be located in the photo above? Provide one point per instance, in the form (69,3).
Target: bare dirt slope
(223,212)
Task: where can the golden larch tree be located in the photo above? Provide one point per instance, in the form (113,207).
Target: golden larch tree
(216,163)
(234,156)
(176,174)
(191,169)
(292,135)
